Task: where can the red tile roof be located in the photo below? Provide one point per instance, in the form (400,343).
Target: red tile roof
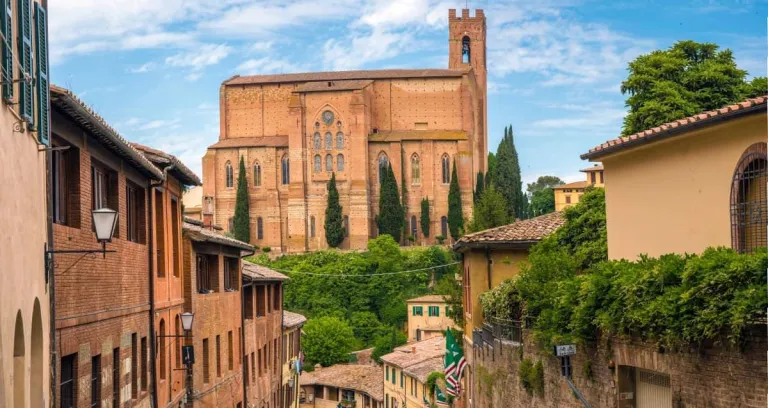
(261,273)
(363,378)
(575,184)
(291,319)
(427,299)
(258,141)
(596,167)
(522,233)
(346,75)
(753,105)
(328,86)
(163,159)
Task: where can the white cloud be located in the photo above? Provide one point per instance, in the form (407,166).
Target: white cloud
(149,66)
(267,65)
(353,53)
(200,57)
(261,46)
(157,124)
(593,118)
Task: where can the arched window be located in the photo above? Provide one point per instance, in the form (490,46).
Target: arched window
(286,170)
(328,163)
(259,228)
(339,140)
(465,50)
(346,226)
(415,169)
(749,203)
(312,226)
(256,174)
(231,224)
(318,163)
(163,367)
(316,142)
(414,226)
(444,226)
(229,174)
(383,166)
(340,162)
(328,141)
(446,164)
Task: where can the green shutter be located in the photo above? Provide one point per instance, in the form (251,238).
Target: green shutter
(41,73)
(25,60)
(7,68)
(387,370)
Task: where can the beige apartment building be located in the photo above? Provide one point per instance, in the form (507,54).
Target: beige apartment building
(292,324)
(193,203)
(352,386)
(427,317)
(570,194)
(406,370)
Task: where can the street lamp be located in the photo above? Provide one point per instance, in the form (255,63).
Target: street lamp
(187,352)
(186,321)
(104,223)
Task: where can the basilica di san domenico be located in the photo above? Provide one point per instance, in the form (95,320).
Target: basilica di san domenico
(294,130)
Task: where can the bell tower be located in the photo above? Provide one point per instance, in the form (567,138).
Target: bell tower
(466,48)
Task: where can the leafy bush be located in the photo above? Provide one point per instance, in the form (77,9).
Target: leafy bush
(502,302)
(327,341)
(266,249)
(440,239)
(387,342)
(532,376)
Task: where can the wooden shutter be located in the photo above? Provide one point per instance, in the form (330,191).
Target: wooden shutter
(25,60)
(7,62)
(41,74)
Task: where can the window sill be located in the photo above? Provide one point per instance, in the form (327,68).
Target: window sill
(205,292)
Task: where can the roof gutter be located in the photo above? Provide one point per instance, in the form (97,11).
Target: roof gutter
(674,131)
(463,246)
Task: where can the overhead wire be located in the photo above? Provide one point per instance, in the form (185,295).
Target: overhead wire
(334,275)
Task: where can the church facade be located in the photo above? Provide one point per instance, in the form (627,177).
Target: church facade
(294,131)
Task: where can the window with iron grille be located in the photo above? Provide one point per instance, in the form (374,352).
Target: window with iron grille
(96,381)
(116,378)
(218,356)
(69,381)
(144,360)
(206,363)
(749,203)
(230,351)
(134,366)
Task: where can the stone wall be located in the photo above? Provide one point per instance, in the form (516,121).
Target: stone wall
(711,376)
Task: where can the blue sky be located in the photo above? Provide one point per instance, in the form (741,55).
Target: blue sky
(153,68)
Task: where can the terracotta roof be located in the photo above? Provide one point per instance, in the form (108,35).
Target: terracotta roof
(163,159)
(201,234)
(596,167)
(364,378)
(399,135)
(575,184)
(331,86)
(428,299)
(82,114)
(291,320)
(522,233)
(414,353)
(749,106)
(422,370)
(345,75)
(258,141)
(261,273)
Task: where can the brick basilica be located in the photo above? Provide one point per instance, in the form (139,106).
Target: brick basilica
(294,130)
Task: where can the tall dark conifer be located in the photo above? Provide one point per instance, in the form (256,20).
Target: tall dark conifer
(455,212)
(390,218)
(334,231)
(242,219)
(506,175)
(425,221)
(479,187)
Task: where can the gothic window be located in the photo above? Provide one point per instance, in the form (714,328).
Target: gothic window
(256,174)
(749,200)
(444,226)
(346,226)
(229,174)
(328,141)
(259,228)
(383,165)
(312,226)
(446,164)
(340,140)
(316,142)
(285,169)
(340,162)
(329,163)
(413,226)
(465,52)
(415,169)
(318,164)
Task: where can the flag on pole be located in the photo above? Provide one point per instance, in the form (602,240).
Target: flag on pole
(440,398)
(454,364)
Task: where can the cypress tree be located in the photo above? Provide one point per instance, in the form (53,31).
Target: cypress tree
(506,175)
(425,221)
(455,213)
(334,231)
(479,187)
(242,219)
(390,218)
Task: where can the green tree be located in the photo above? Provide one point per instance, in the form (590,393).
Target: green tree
(479,187)
(506,176)
(366,326)
(542,195)
(334,230)
(390,218)
(455,212)
(489,212)
(242,219)
(387,342)
(453,294)
(491,169)
(683,80)
(327,341)
(425,221)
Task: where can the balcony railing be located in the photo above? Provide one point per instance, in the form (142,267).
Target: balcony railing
(503,329)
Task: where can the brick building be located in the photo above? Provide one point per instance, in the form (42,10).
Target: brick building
(167,277)
(102,303)
(212,291)
(294,130)
(263,323)
(291,345)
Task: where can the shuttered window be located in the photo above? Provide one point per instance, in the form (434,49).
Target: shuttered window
(25,59)
(41,75)
(7,28)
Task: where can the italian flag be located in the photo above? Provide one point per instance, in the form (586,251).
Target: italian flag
(454,364)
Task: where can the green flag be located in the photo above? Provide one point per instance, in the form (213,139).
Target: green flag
(440,398)
(454,364)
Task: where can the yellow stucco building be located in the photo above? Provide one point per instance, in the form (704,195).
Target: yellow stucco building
(570,194)
(351,385)
(406,370)
(427,317)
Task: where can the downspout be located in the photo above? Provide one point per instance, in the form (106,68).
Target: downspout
(282,346)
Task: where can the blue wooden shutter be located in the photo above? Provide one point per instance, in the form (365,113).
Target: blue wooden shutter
(25,60)
(41,73)
(7,68)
